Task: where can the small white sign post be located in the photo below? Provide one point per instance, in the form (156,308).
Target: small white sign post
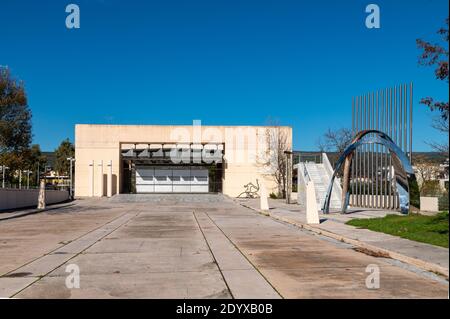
(264,202)
(312,213)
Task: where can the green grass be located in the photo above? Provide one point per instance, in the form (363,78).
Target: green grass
(427,229)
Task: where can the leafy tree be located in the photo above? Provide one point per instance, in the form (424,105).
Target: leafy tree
(35,161)
(65,149)
(435,54)
(15,124)
(15,116)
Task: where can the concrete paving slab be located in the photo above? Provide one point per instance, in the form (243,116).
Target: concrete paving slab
(417,253)
(248,284)
(181,285)
(350,283)
(138,263)
(42,266)
(10,285)
(154,246)
(157,248)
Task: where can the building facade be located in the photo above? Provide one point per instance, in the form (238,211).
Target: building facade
(113,159)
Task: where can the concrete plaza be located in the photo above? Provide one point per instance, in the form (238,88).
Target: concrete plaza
(188,246)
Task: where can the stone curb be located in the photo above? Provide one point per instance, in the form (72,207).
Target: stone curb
(428,266)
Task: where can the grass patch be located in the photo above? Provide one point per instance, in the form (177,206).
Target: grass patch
(426,229)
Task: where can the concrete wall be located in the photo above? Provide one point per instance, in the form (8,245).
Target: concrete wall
(103,143)
(429,204)
(20,198)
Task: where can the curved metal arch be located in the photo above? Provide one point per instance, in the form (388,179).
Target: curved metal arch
(405,178)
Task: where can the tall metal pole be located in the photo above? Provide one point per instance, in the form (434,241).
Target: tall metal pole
(394,191)
(360,126)
(353,166)
(372,151)
(410,120)
(366,101)
(390,158)
(405,118)
(376,151)
(71,189)
(400,119)
(363,155)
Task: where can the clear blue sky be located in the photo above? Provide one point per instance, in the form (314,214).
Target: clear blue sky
(222,61)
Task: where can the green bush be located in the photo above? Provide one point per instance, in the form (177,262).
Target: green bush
(273,196)
(431,188)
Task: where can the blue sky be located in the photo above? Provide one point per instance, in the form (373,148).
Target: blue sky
(231,62)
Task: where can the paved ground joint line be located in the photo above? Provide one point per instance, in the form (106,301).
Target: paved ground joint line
(423,265)
(249,261)
(209,247)
(75,255)
(63,245)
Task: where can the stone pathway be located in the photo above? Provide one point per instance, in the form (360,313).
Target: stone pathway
(206,247)
(335,223)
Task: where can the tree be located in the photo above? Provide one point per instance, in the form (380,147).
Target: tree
(335,140)
(15,124)
(435,54)
(274,159)
(64,150)
(426,171)
(15,116)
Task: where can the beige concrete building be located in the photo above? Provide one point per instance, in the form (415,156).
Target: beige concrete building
(112,159)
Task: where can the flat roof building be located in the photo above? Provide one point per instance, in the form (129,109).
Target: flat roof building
(112,159)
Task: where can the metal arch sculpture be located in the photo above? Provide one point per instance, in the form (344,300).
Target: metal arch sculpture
(405,178)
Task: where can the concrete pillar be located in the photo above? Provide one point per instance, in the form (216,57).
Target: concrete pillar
(100,187)
(312,213)
(41,197)
(109,181)
(91,179)
(263,198)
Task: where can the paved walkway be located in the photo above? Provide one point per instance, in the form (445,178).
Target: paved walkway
(191,246)
(335,223)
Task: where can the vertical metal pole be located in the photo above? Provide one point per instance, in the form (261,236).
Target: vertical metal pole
(410,120)
(390,158)
(400,118)
(71,189)
(369,151)
(352,180)
(405,119)
(3,173)
(372,166)
(363,157)
(376,151)
(359,152)
(369,157)
(386,114)
(394,191)
(366,104)
(382,104)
